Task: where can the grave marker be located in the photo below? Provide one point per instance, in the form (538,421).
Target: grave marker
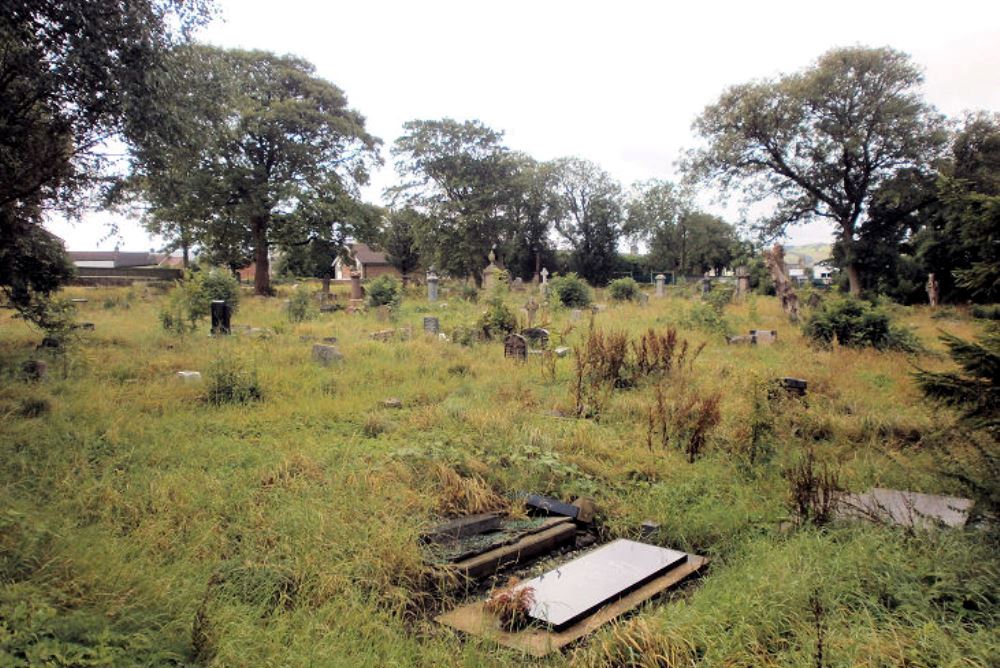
(431,325)
(326,355)
(515,346)
(221,314)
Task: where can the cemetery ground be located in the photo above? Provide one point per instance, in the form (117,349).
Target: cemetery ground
(143,525)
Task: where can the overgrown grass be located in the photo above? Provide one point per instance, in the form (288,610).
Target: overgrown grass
(143,525)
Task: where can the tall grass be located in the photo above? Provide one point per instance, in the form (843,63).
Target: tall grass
(143,525)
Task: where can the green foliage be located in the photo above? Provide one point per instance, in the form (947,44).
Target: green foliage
(301,305)
(497,320)
(229,381)
(976,389)
(709,315)
(468,292)
(570,290)
(856,323)
(986,311)
(624,289)
(190,300)
(384,291)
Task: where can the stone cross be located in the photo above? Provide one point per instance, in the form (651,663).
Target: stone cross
(531,308)
(545,275)
(660,279)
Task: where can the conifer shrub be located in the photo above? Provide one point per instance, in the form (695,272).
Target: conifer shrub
(858,324)
(497,320)
(384,291)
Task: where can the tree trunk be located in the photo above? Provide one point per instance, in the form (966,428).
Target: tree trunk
(262,264)
(185,252)
(537,278)
(850,262)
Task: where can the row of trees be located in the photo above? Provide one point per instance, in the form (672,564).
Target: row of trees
(237,153)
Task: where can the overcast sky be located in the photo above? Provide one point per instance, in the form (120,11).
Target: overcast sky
(618,83)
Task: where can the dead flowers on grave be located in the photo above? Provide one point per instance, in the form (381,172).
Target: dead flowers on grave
(511,604)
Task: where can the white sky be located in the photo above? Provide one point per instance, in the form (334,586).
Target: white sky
(618,83)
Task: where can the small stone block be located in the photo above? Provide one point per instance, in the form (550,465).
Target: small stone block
(392,402)
(588,509)
(189,376)
(326,355)
(561,351)
(549,506)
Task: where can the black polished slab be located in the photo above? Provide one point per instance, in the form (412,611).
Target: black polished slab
(574,590)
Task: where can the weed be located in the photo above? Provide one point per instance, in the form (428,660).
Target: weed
(813,488)
(230,382)
(511,604)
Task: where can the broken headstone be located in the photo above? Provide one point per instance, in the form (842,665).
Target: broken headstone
(908,509)
(537,337)
(546,505)
(470,525)
(794,385)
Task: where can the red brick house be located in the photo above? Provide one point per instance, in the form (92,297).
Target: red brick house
(366,261)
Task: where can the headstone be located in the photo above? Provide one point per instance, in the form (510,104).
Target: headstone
(189,376)
(515,346)
(34,369)
(518,284)
(221,314)
(432,286)
(471,525)
(383,335)
(749,339)
(575,315)
(382,313)
(706,286)
(575,589)
(537,336)
(742,280)
(660,281)
(356,293)
(561,351)
(392,402)
(431,325)
(531,308)
(643,299)
(932,289)
(794,385)
(543,287)
(326,355)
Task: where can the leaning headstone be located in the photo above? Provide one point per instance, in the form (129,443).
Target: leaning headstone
(660,280)
(34,369)
(431,325)
(221,314)
(515,346)
(189,376)
(326,355)
(546,505)
(531,308)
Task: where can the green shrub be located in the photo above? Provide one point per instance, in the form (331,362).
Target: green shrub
(570,290)
(469,293)
(300,305)
(230,382)
(497,320)
(190,300)
(623,289)
(384,291)
(858,324)
(706,317)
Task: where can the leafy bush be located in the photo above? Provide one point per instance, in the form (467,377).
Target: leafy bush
(300,306)
(384,291)
(623,289)
(858,324)
(497,320)
(469,293)
(570,290)
(230,382)
(189,302)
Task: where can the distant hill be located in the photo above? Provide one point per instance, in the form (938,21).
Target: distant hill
(810,253)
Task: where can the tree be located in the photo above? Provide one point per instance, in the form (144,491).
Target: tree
(458,175)
(534,208)
(72,75)
(280,145)
(681,239)
(399,240)
(590,216)
(819,142)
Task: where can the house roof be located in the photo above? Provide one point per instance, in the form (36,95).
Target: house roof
(365,255)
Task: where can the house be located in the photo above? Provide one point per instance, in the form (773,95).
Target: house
(366,261)
(824,271)
(112,259)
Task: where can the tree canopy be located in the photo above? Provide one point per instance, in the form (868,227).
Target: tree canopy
(819,142)
(276,156)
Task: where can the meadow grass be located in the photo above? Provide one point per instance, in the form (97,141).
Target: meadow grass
(142,525)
